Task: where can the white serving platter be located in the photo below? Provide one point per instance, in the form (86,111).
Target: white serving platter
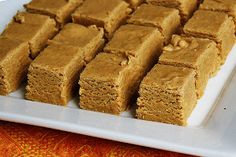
(211,130)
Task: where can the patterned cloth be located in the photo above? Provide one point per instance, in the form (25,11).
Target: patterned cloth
(17,140)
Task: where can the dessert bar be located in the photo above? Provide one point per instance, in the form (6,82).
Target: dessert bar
(89,39)
(193,53)
(60,10)
(54,74)
(108,14)
(141,44)
(167,20)
(108,84)
(167,94)
(14,62)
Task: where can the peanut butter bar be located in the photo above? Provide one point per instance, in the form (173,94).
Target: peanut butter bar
(61,10)
(226,6)
(14,62)
(167,94)
(109,14)
(32,28)
(108,83)
(186,7)
(216,26)
(54,74)
(88,38)
(141,44)
(167,20)
(201,55)
(134,3)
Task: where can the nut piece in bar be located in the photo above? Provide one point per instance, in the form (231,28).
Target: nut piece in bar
(167,94)
(108,84)
(32,28)
(54,74)
(90,38)
(216,26)
(141,44)
(193,53)
(134,3)
(14,62)
(167,20)
(226,6)
(60,10)
(109,14)
(186,7)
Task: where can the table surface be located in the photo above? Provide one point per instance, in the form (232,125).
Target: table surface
(26,140)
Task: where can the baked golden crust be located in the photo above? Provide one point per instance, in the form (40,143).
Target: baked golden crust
(186,7)
(88,39)
(110,14)
(61,10)
(167,20)
(141,44)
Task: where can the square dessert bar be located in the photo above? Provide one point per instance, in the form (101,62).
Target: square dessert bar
(167,20)
(109,14)
(54,74)
(108,84)
(134,3)
(141,44)
(216,26)
(186,7)
(14,62)
(88,38)
(167,94)
(61,10)
(226,6)
(201,55)
(32,28)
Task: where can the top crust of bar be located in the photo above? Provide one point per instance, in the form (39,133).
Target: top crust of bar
(186,7)
(207,22)
(165,19)
(153,15)
(129,39)
(105,67)
(77,35)
(228,6)
(56,57)
(100,10)
(54,8)
(190,54)
(32,19)
(50,6)
(168,77)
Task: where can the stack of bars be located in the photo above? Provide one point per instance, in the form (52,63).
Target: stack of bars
(170,90)
(113,51)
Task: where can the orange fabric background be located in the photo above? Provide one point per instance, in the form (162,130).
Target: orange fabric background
(24,140)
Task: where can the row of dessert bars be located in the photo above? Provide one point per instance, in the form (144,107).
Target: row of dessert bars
(110,81)
(30,32)
(170,91)
(111,75)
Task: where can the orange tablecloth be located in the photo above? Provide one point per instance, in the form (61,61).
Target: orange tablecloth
(24,140)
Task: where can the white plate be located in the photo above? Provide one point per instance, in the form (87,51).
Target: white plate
(206,135)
